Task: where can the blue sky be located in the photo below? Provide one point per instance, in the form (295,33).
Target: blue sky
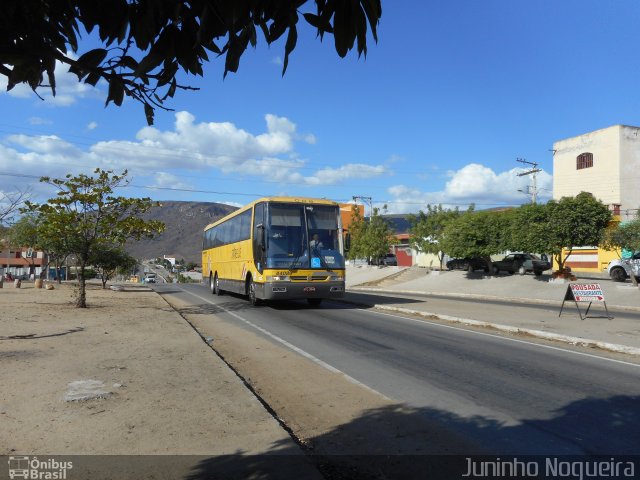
(453,93)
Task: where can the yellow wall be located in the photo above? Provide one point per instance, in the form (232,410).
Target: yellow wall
(590,259)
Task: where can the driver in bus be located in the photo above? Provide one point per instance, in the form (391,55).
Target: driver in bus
(315,241)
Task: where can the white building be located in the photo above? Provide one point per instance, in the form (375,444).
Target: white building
(605,163)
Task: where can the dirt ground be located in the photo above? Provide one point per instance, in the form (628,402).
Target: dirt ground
(125,376)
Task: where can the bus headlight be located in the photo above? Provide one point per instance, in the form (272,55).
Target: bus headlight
(335,278)
(278,278)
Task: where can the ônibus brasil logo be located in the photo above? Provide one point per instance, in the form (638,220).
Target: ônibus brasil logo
(33,468)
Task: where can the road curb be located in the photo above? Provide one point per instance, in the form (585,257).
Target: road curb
(476,296)
(612,347)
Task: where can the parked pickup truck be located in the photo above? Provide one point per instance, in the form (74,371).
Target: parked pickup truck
(521,263)
(619,270)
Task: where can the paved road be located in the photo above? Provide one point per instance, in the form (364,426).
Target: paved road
(509,395)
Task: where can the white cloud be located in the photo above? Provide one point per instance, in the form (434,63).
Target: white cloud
(233,204)
(92,126)
(39,121)
(473,183)
(168,180)
(199,147)
(310,138)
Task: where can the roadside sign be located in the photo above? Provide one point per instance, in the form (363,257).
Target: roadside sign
(590,292)
(585,292)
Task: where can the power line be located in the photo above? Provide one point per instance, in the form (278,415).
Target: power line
(258,195)
(150,187)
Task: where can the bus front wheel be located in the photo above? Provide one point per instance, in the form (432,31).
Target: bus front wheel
(251,292)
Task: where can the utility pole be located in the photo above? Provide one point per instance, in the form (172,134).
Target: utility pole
(366,200)
(532,172)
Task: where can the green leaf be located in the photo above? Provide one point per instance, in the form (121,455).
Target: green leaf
(93,58)
(361,30)
(292,38)
(373,9)
(148,112)
(93,78)
(319,22)
(129,62)
(343,31)
(116,91)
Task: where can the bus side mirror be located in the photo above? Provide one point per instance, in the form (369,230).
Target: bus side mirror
(347,242)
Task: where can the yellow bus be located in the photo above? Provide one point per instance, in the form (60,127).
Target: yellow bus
(277,248)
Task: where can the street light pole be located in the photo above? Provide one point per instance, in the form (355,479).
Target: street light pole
(532,172)
(366,200)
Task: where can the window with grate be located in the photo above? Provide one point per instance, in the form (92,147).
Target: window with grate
(584,160)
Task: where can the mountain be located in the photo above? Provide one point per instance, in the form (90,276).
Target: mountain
(182,237)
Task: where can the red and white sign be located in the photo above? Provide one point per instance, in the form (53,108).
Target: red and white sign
(587,292)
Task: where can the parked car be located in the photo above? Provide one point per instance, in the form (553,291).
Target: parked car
(521,263)
(469,264)
(389,259)
(619,270)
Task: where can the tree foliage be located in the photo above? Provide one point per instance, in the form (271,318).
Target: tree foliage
(370,238)
(90,218)
(25,234)
(108,261)
(478,234)
(57,241)
(575,221)
(357,233)
(427,229)
(530,229)
(624,236)
(144,43)
(34,231)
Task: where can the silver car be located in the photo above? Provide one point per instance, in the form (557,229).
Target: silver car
(621,269)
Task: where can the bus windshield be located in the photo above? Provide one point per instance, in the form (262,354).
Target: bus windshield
(303,236)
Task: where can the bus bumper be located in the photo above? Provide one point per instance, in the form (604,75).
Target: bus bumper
(296,290)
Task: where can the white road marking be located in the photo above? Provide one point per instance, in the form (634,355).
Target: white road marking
(298,350)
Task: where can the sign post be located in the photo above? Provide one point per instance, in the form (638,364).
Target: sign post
(585,292)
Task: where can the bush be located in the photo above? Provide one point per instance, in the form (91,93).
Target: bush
(89,273)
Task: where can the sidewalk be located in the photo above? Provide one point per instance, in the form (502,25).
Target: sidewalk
(517,304)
